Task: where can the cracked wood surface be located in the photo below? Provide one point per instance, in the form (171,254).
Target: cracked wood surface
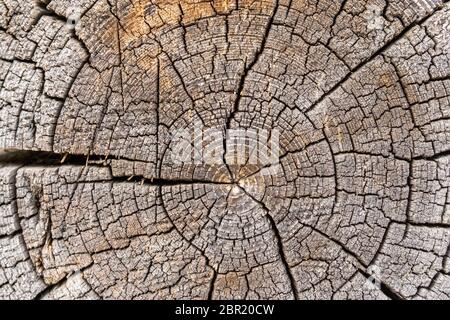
(93,207)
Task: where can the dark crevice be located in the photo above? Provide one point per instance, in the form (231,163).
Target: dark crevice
(387,290)
(165,182)
(279,243)
(409,183)
(44,158)
(48,159)
(247,69)
(211,287)
(436,156)
(11,235)
(242,80)
(50,288)
(336,16)
(425,225)
(158,108)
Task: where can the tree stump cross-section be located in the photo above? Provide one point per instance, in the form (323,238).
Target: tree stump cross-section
(225,149)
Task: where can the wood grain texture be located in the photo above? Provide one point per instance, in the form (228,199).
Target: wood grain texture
(93,205)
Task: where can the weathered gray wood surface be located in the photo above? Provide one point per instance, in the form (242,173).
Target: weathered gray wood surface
(91,205)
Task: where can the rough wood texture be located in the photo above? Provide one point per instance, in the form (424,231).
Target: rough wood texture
(93,206)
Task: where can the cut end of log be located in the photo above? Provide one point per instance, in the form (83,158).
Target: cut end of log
(225,149)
